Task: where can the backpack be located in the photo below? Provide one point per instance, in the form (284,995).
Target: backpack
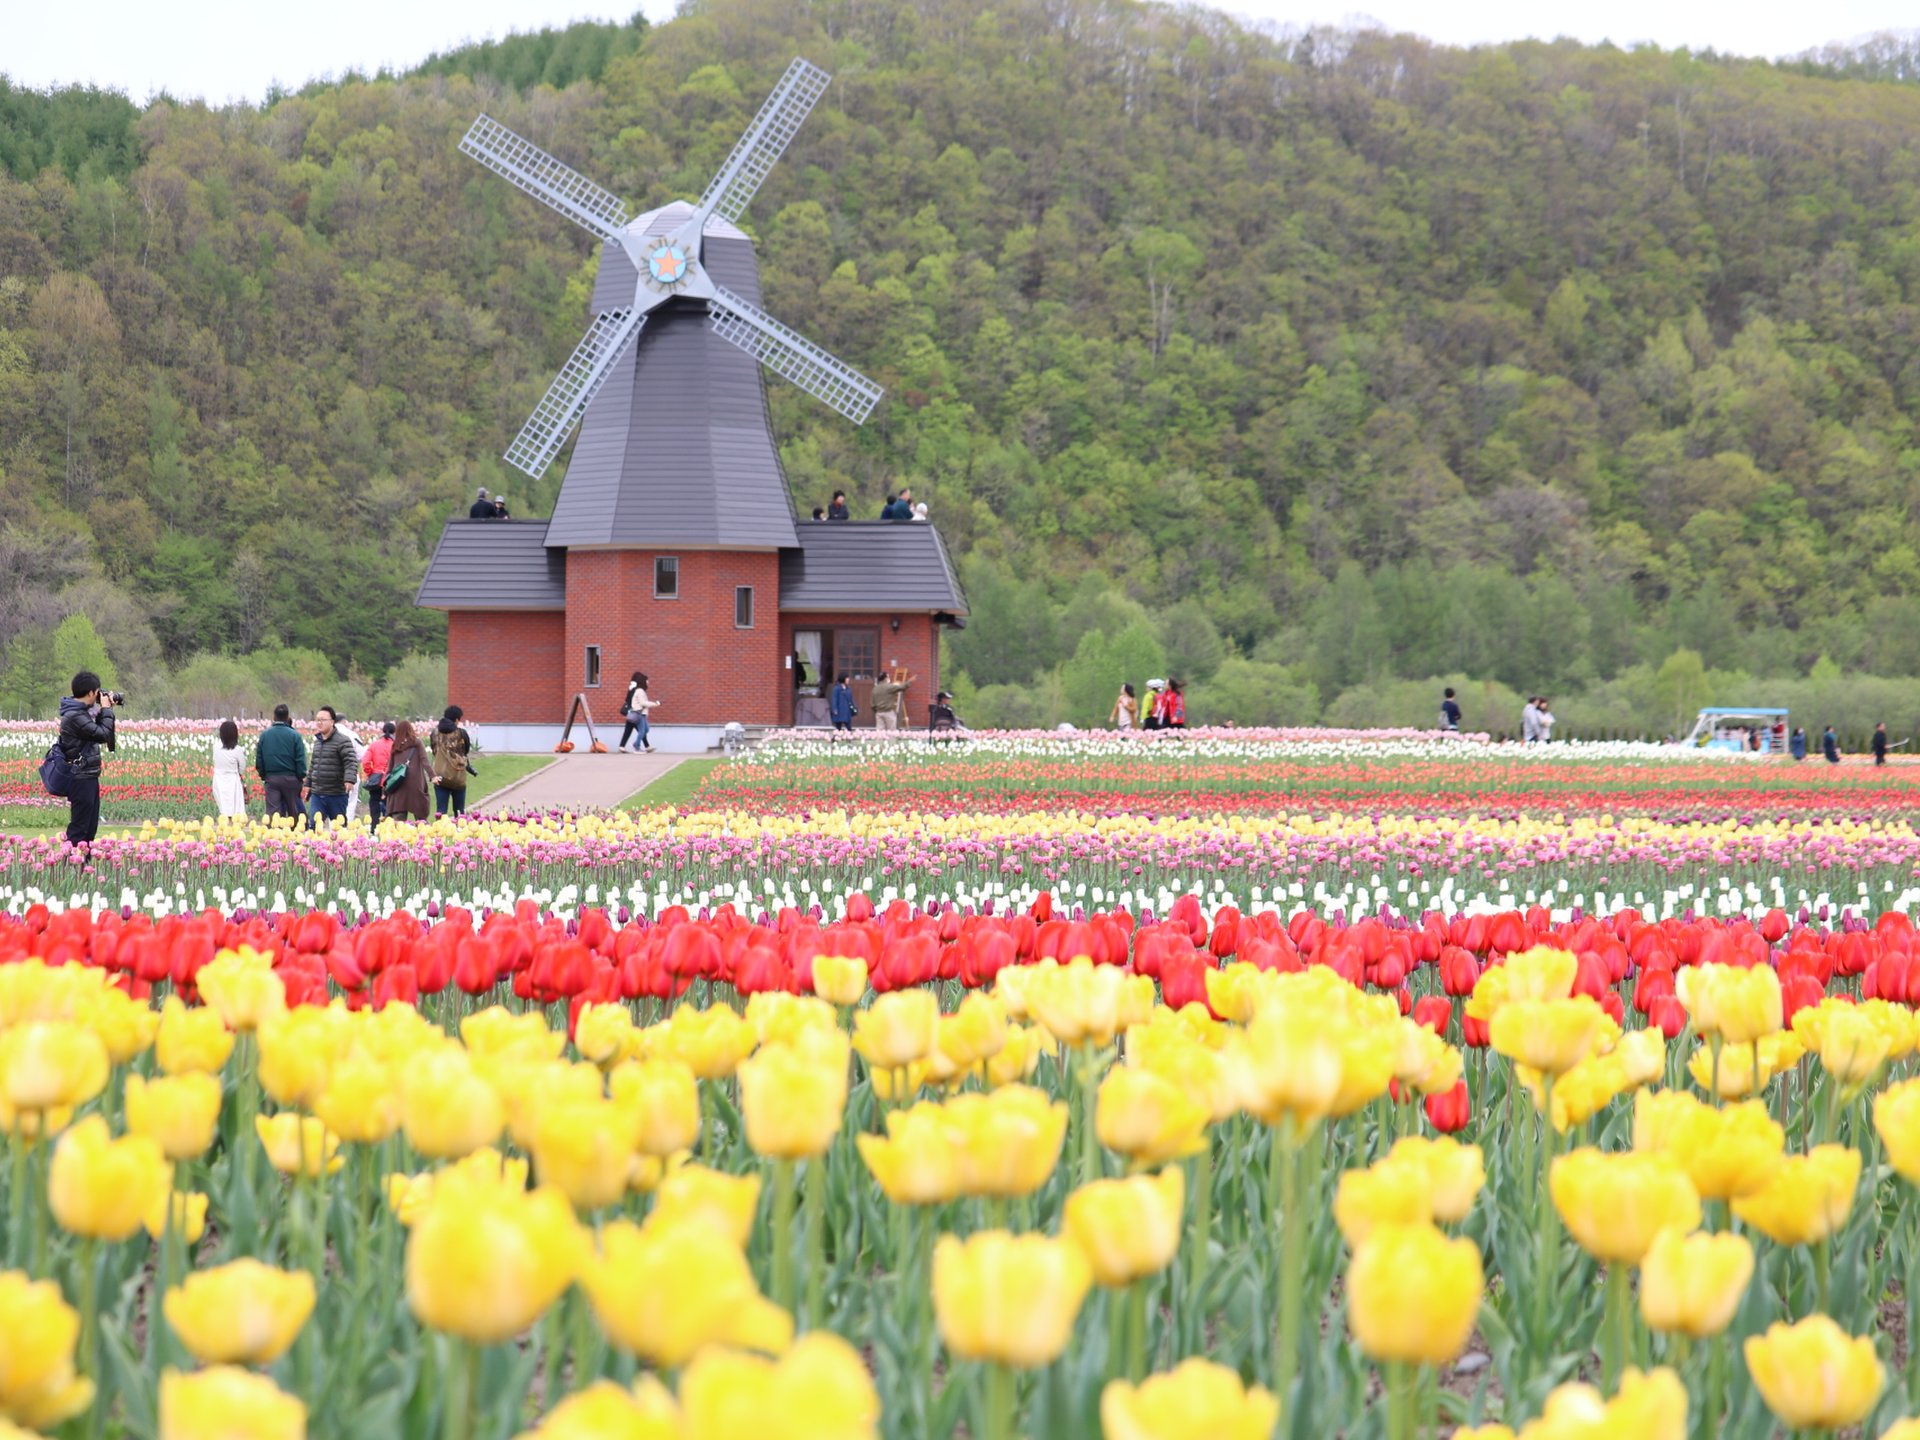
(450,760)
(55,774)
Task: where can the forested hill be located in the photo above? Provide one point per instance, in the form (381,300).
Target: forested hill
(1296,362)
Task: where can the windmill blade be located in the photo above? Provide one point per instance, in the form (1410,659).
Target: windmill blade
(545,178)
(573,390)
(790,354)
(765,141)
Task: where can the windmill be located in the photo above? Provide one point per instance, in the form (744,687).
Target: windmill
(667,266)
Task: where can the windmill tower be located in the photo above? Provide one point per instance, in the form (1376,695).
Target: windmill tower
(670,401)
(674,493)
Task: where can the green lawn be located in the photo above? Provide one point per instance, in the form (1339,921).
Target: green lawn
(676,787)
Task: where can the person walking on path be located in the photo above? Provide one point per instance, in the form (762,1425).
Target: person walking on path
(1830,746)
(1530,721)
(332,769)
(229,772)
(86,723)
(451,747)
(406,782)
(1880,743)
(890,700)
(1126,709)
(373,775)
(1449,711)
(840,704)
(280,760)
(1173,706)
(635,708)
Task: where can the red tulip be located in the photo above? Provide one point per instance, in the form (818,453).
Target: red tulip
(1450,1110)
(1435,1012)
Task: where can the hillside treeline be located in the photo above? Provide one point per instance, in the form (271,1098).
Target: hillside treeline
(1346,358)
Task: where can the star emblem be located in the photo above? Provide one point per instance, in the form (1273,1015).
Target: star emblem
(667,264)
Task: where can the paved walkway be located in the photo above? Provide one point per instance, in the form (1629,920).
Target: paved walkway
(580,782)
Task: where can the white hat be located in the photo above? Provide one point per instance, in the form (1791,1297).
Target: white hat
(1156,684)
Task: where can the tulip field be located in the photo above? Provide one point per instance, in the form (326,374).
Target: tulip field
(1229,1086)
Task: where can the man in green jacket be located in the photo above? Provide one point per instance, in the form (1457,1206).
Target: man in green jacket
(280,755)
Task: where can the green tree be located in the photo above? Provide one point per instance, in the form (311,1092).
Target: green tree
(1680,688)
(77,646)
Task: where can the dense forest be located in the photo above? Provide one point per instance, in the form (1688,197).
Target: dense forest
(1307,365)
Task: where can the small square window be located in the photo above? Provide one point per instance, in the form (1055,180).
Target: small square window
(593,667)
(743,607)
(666,577)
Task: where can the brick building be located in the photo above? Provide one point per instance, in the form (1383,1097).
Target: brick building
(673,549)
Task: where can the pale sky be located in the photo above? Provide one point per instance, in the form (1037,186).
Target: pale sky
(234,49)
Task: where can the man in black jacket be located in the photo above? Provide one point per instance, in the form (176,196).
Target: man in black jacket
(333,769)
(86,723)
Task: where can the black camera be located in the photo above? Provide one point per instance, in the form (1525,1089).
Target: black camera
(113,697)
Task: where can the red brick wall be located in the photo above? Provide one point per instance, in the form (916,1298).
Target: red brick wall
(702,668)
(505,665)
(916,645)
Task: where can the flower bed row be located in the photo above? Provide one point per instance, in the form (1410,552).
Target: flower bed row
(888,1172)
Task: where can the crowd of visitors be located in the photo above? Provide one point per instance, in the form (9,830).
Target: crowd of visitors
(900,505)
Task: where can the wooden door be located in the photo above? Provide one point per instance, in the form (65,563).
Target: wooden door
(856,651)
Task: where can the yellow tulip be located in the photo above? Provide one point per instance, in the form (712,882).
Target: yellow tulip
(1008,1140)
(1813,1376)
(1649,1406)
(1383,1194)
(51,1064)
(661,1102)
(408,1196)
(297,1051)
(1017,1059)
(1692,1284)
(1896,1119)
(191,1040)
(1422,1059)
(1292,1065)
(605,1411)
(1727,1152)
(179,1113)
(1852,1048)
(664,1292)
(897,1029)
(1006,1298)
(298,1144)
(1583,1091)
(605,1034)
(241,1313)
(1210,1074)
(819,1389)
(528,1088)
(918,1161)
(711,1043)
(241,987)
(1455,1173)
(1615,1204)
(724,1203)
(792,1097)
(1643,1057)
(498,1032)
(38,1386)
(1807,1198)
(1736,1073)
(188,1209)
(224,1402)
(585,1151)
(101,1187)
(1902,1430)
(447,1108)
(840,979)
(1148,1118)
(1079,1003)
(1127,1228)
(1196,1398)
(1412,1294)
(778,1018)
(484,1262)
(1739,1005)
(967,1039)
(1551,1036)
(361,1103)
(126,1026)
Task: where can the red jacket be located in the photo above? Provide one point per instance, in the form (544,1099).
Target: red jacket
(379,755)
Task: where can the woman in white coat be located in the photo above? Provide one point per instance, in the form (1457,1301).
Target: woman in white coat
(229,772)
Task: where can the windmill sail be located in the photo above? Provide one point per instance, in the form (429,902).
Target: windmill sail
(572,390)
(545,178)
(766,140)
(788,353)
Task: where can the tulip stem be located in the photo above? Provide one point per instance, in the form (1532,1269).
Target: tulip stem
(17,1193)
(1292,1261)
(1090,1167)
(90,1330)
(1000,1401)
(816,1241)
(1137,1330)
(1203,1222)
(1546,1220)
(1619,1326)
(1913,1304)
(463,1376)
(1716,1382)
(783,1199)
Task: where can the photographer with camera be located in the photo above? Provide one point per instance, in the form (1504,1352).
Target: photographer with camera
(86,723)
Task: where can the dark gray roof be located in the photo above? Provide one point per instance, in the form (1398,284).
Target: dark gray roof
(494,565)
(869,565)
(677,449)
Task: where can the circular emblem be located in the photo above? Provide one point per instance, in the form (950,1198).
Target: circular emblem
(668,264)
